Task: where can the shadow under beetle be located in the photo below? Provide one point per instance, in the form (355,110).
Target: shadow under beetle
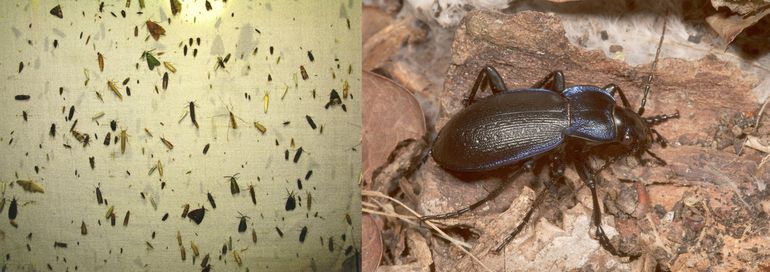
(546,124)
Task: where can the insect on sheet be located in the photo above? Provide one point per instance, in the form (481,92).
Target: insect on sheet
(180,135)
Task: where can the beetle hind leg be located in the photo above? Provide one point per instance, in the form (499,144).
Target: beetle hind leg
(527,166)
(488,77)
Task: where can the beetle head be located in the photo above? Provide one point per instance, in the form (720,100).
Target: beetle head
(633,132)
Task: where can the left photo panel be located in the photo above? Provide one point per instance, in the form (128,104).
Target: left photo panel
(203,135)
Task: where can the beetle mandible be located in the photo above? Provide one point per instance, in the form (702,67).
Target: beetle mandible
(546,123)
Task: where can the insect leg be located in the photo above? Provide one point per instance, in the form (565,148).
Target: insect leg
(538,199)
(611,88)
(490,196)
(487,77)
(587,175)
(554,81)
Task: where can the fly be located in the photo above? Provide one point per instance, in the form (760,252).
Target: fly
(83,228)
(13,210)
(206,149)
(303,234)
(298,154)
(99,198)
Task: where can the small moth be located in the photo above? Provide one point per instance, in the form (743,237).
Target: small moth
(197,215)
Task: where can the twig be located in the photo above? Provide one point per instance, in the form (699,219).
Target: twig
(761,112)
(428,222)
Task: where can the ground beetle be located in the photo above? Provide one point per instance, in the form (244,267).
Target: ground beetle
(547,124)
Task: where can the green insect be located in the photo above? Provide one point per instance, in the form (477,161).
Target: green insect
(152,62)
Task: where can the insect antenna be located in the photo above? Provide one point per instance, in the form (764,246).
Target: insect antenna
(657,119)
(648,84)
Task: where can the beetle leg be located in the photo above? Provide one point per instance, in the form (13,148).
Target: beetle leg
(487,77)
(538,199)
(611,88)
(554,81)
(587,175)
(527,167)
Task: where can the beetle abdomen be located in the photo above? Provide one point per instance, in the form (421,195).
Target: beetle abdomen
(501,130)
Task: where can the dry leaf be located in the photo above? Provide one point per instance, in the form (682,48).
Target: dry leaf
(391,114)
(31,186)
(381,46)
(729,26)
(155,29)
(371,245)
(741,7)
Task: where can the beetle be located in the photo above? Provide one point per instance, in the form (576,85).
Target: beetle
(546,124)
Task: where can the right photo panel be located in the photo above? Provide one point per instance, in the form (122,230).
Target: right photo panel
(565,135)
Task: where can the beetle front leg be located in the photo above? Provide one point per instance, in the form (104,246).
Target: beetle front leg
(527,167)
(587,175)
(487,77)
(611,88)
(554,81)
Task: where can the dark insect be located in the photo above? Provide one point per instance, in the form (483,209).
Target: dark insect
(310,56)
(24,115)
(334,99)
(211,200)
(234,188)
(92,161)
(71,112)
(21,97)
(192,116)
(206,149)
(56,11)
(55,43)
(52,132)
(83,228)
(251,192)
(107,139)
(280,233)
(13,210)
(291,202)
(165,80)
(310,121)
(99,198)
(165,216)
(254,236)
(242,224)
(59,244)
(186,208)
(125,218)
(208,5)
(331,244)
(21,66)
(302,234)
(205,261)
(298,154)
(197,215)
(303,72)
(299,184)
(100,59)
(309,174)
(547,124)
(112,219)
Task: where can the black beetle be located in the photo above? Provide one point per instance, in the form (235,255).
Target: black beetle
(547,123)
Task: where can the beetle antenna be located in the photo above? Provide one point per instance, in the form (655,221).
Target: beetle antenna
(648,84)
(657,119)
